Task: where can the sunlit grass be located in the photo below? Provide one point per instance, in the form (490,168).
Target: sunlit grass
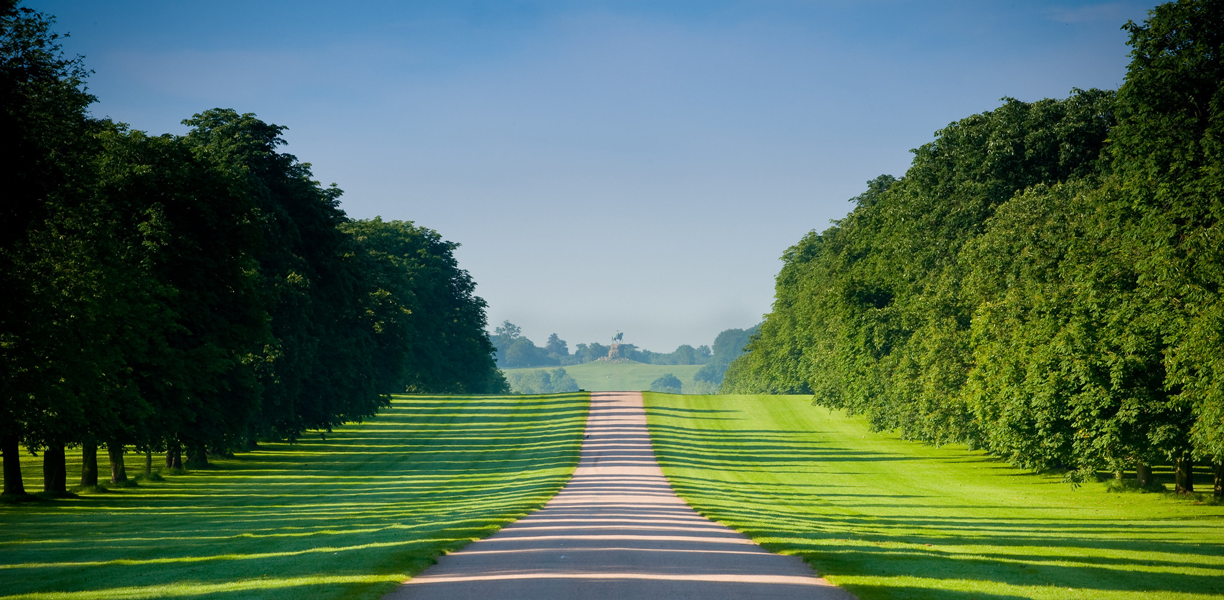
(887,518)
(346,517)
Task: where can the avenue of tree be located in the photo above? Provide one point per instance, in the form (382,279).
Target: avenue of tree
(1043,283)
(194,294)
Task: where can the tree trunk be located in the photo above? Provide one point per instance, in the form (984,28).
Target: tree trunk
(89,464)
(118,472)
(11,449)
(197,456)
(174,455)
(1219,480)
(148,464)
(1119,474)
(55,471)
(1185,476)
(1143,473)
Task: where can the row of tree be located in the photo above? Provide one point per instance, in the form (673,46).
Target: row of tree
(541,381)
(1044,282)
(195,294)
(514,350)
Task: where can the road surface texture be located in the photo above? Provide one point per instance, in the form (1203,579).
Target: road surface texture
(617,530)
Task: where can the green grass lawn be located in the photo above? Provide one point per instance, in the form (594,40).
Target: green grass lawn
(349,517)
(612,377)
(887,518)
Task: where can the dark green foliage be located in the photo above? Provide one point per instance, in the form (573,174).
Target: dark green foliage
(1067,358)
(556,348)
(430,327)
(516,351)
(1028,286)
(315,368)
(541,381)
(45,128)
(523,353)
(586,353)
(1169,149)
(193,294)
(562,382)
(503,337)
(682,355)
(189,316)
(668,384)
(728,346)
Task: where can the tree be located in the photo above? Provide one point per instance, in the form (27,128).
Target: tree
(197,292)
(728,346)
(1067,361)
(562,382)
(1169,155)
(503,336)
(195,370)
(542,381)
(667,384)
(590,352)
(317,371)
(46,129)
(556,347)
(432,336)
(870,314)
(523,353)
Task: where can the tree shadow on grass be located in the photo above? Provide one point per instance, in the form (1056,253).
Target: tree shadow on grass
(917,593)
(851,526)
(688,411)
(348,516)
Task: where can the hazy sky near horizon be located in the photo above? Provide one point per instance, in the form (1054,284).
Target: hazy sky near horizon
(632,166)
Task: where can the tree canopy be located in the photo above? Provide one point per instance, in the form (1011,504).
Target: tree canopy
(200,292)
(1044,282)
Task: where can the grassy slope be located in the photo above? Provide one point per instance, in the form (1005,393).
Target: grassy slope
(349,517)
(887,518)
(605,377)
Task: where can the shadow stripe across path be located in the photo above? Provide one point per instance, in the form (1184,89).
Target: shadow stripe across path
(617,530)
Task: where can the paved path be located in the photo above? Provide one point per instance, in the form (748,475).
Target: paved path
(617,530)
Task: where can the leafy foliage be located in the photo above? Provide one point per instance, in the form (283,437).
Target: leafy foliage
(1044,280)
(728,346)
(199,291)
(541,381)
(668,383)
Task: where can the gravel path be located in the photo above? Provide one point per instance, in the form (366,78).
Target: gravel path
(617,530)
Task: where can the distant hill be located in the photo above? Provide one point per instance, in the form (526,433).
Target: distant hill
(622,376)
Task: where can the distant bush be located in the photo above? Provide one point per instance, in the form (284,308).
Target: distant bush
(667,384)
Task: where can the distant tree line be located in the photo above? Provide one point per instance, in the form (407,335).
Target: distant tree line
(728,346)
(195,294)
(542,381)
(515,351)
(1045,282)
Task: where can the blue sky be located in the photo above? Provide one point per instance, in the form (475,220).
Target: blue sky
(633,166)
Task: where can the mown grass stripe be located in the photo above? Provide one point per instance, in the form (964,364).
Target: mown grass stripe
(891,519)
(343,518)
